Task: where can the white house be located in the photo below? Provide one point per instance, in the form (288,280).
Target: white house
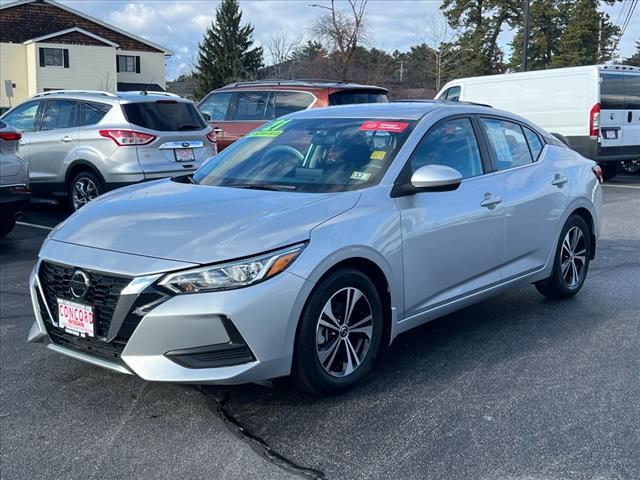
(45,45)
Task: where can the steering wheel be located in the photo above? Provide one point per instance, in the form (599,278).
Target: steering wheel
(283,150)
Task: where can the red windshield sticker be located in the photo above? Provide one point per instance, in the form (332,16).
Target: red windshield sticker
(378,126)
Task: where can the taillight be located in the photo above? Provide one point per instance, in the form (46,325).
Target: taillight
(594,120)
(125,138)
(597,171)
(10,136)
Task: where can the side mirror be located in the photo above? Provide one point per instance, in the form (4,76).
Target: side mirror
(206,116)
(438,178)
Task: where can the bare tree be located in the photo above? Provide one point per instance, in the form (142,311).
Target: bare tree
(106,82)
(341,31)
(434,31)
(281,48)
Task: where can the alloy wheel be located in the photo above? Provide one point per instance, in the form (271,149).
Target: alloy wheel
(344,331)
(573,257)
(84,190)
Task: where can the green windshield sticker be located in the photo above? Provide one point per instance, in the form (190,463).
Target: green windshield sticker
(272,129)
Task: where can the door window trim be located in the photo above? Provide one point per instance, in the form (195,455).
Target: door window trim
(42,110)
(405,174)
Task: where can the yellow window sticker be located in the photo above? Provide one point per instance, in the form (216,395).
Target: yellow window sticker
(272,129)
(360,176)
(378,155)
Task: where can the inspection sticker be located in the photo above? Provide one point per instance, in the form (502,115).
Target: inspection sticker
(381,126)
(360,176)
(272,129)
(378,155)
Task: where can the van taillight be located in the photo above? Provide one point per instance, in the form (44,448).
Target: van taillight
(10,136)
(597,171)
(126,138)
(594,120)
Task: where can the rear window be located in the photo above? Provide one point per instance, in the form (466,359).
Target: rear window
(92,113)
(348,97)
(289,102)
(632,91)
(612,92)
(164,115)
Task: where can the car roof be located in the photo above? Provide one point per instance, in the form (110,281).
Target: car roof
(396,110)
(108,97)
(305,84)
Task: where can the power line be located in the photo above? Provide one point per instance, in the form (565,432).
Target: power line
(625,23)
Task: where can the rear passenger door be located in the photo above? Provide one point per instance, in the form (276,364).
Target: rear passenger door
(53,146)
(535,193)
(612,114)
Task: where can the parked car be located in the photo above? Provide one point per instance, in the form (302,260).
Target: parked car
(238,108)
(14,179)
(310,244)
(81,144)
(594,109)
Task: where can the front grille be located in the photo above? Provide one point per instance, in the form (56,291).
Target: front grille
(103,294)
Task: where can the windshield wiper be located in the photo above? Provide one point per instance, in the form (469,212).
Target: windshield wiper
(262,186)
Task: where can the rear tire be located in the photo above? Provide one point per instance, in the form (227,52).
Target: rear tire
(6,224)
(609,170)
(571,262)
(339,334)
(631,167)
(84,187)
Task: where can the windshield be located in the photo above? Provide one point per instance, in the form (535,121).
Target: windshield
(309,155)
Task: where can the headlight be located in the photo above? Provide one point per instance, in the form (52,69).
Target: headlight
(230,275)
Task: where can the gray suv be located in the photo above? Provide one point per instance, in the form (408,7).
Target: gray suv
(80,144)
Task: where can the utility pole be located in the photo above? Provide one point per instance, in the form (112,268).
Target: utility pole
(599,41)
(525,46)
(401,62)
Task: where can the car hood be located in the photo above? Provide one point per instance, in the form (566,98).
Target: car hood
(199,224)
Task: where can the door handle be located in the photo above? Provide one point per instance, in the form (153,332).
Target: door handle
(559,180)
(217,130)
(66,139)
(490,201)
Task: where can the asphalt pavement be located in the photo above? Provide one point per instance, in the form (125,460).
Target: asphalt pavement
(515,387)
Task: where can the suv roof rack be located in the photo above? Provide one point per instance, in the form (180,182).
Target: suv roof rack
(298,81)
(147,92)
(67,92)
(448,102)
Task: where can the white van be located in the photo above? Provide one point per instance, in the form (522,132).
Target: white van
(595,109)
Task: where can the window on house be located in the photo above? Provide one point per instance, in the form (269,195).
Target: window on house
(128,63)
(54,57)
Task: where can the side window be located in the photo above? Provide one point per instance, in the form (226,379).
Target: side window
(216,105)
(24,117)
(508,143)
(453,94)
(59,114)
(452,143)
(289,102)
(535,145)
(632,91)
(251,106)
(92,113)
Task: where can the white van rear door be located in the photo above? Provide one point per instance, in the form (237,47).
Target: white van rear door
(612,113)
(631,135)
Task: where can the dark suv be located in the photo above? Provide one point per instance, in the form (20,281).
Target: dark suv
(236,109)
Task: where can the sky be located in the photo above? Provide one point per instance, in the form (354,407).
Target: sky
(180,24)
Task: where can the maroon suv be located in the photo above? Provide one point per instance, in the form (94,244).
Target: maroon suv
(236,109)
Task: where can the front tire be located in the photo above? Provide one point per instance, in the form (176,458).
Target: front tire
(6,224)
(339,334)
(84,187)
(571,262)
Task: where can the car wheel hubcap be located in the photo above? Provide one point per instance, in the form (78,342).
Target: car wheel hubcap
(573,257)
(84,190)
(344,331)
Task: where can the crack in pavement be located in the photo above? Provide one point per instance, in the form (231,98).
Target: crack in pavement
(217,405)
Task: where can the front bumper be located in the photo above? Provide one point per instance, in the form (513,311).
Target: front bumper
(230,337)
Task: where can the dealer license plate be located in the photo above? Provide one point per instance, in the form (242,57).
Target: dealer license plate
(184,155)
(75,318)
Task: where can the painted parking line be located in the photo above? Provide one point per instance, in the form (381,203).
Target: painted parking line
(622,186)
(33,225)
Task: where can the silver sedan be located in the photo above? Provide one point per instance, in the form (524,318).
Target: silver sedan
(312,243)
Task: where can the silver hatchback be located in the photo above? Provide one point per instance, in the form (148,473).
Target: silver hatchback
(81,144)
(313,242)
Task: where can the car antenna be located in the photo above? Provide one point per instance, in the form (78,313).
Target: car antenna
(144,92)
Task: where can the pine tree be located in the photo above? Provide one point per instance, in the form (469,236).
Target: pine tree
(588,36)
(635,58)
(225,53)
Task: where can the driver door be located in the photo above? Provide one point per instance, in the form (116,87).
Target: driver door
(453,242)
